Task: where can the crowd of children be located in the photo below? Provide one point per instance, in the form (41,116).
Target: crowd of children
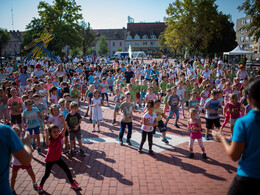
(45,101)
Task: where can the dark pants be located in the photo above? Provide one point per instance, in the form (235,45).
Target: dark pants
(150,139)
(61,164)
(244,185)
(122,130)
(103,95)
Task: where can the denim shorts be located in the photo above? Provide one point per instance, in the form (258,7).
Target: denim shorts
(35,129)
(175,111)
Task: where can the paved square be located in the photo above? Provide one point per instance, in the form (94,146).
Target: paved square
(109,168)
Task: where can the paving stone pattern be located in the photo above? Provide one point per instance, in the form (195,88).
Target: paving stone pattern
(109,168)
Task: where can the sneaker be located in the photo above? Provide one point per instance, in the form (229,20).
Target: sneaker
(121,141)
(93,130)
(114,121)
(90,120)
(206,137)
(86,115)
(35,186)
(75,186)
(151,152)
(139,150)
(129,143)
(98,130)
(163,139)
(39,150)
(176,125)
(81,153)
(166,141)
(40,189)
(204,156)
(191,155)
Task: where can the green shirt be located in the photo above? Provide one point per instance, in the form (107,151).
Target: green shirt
(163,86)
(155,90)
(165,100)
(133,95)
(137,88)
(169,85)
(74,94)
(127,109)
(144,88)
(231,76)
(158,112)
(188,88)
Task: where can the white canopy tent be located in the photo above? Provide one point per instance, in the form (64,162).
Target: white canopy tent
(238,51)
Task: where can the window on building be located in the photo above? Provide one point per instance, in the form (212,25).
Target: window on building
(251,45)
(248,21)
(114,44)
(252,38)
(153,43)
(144,43)
(242,22)
(145,37)
(242,39)
(127,44)
(129,37)
(136,43)
(137,37)
(246,38)
(153,37)
(120,43)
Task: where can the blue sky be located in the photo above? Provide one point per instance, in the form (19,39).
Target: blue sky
(103,14)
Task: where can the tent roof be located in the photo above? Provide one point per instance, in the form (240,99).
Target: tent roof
(238,51)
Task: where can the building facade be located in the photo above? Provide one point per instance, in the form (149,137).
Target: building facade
(115,39)
(144,36)
(13,46)
(243,39)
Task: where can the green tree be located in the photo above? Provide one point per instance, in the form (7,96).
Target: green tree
(89,37)
(119,49)
(102,46)
(62,16)
(252,8)
(4,38)
(227,40)
(191,24)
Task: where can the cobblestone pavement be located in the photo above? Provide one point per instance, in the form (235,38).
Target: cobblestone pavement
(109,168)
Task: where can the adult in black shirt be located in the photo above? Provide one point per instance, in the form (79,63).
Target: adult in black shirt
(129,74)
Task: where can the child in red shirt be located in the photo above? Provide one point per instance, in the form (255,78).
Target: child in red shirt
(54,154)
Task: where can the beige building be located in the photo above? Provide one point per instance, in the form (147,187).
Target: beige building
(243,39)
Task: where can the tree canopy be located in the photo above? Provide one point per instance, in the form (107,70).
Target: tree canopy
(195,25)
(102,46)
(252,8)
(63,17)
(4,38)
(89,37)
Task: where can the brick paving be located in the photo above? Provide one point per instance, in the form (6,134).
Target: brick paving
(109,168)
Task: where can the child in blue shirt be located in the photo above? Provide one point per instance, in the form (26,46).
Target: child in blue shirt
(31,121)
